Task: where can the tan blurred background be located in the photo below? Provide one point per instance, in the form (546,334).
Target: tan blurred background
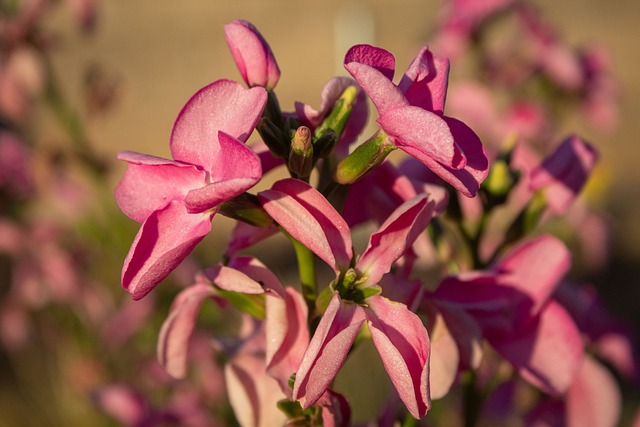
(163,51)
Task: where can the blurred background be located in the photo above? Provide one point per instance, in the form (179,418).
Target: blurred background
(116,74)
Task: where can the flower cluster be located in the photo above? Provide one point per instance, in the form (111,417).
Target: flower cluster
(448,302)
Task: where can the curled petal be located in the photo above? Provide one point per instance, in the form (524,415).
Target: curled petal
(548,352)
(252,54)
(395,236)
(327,350)
(403,344)
(425,81)
(374,57)
(305,214)
(150,183)
(173,342)
(223,105)
(165,239)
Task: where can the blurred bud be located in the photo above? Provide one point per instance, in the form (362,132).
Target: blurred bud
(324,145)
(339,116)
(563,173)
(246,208)
(252,55)
(300,161)
(272,137)
(364,158)
(501,178)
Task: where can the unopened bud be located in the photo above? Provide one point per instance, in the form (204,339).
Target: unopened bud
(339,116)
(300,161)
(272,137)
(246,208)
(324,145)
(364,158)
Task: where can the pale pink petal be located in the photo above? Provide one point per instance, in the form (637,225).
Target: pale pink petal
(258,272)
(594,399)
(252,393)
(223,105)
(165,239)
(422,133)
(548,352)
(443,359)
(173,342)
(287,336)
(394,237)
(150,183)
(230,279)
(327,350)
(305,214)
(122,403)
(403,344)
(252,54)
(425,81)
(467,333)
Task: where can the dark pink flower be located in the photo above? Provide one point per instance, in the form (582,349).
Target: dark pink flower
(176,199)
(411,114)
(252,55)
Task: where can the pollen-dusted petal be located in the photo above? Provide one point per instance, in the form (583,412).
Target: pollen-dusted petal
(223,105)
(403,344)
(165,239)
(173,342)
(150,183)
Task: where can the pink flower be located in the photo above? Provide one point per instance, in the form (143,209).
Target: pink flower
(563,173)
(398,334)
(411,114)
(175,200)
(512,302)
(252,55)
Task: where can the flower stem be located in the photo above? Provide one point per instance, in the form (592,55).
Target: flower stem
(306,271)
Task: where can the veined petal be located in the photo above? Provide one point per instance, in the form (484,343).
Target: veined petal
(173,342)
(422,133)
(224,105)
(305,214)
(327,350)
(150,183)
(548,352)
(403,344)
(165,239)
(425,82)
(394,237)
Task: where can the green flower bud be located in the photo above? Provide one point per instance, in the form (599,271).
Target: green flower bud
(364,158)
(300,161)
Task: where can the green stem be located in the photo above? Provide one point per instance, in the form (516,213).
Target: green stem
(472,401)
(307,272)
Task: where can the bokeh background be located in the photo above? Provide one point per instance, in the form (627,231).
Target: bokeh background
(154,54)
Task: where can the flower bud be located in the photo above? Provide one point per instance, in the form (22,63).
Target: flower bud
(300,161)
(364,158)
(339,115)
(273,137)
(252,55)
(246,208)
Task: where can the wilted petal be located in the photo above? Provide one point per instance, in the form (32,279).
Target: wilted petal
(173,342)
(305,214)
(165,239)
(150,183)
(223,105)
(403,344)
(548,352)
(252,54)
(327,350)
(425,81)
(421,134)
(394,237)
(594,398)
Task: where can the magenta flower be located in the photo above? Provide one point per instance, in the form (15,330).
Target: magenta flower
(411,114)
(252,55)
(513,304)
(175,200)
(398,334)
(563,173)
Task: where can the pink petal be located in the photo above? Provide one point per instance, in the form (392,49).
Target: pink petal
(165,239)
(223,105)
(230,279)
(335,410)
(394,237)
(403,344)
(258,272)
(150,183)
(327,350)
(467,333)
(236,168)
(548,352)
(422,133)
(305,214)
(287,336)
(443,359)
(244,236)
(375,57)
(594,399)
(252,54)
(425,82)
(173,342)
(122,403)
